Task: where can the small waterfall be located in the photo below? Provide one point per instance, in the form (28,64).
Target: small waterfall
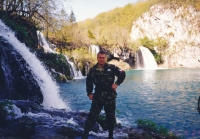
(43,42)
(145,59)
(74,70)
(47,85)
(94,49)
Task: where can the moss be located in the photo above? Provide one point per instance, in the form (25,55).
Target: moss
(57,62)
(25,31)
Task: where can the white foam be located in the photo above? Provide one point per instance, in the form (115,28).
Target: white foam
(47,85)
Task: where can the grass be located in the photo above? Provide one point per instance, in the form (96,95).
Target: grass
(150,126)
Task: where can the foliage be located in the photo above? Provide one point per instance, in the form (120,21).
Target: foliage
(161,44)
(80,55)
(149,125)
(33,10)
(72,18)
(108,28)
(90,34)
(114,27)
(20,30)
(47,15)
(57,62)
(135,45)
(6,109)
(158,57)
(146,42)
(26,33)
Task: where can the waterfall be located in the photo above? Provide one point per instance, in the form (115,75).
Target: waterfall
(145,59)
(74,70)
(94,49)
(43,42)
(48,87)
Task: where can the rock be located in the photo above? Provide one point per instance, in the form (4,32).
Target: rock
(18,81)
(70,132)
(182,42)
(122,65)
(24,127)
(61,124)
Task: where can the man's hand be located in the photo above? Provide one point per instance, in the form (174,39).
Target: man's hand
(90,96)
(114,86)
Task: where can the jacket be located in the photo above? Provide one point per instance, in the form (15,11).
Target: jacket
(103,79)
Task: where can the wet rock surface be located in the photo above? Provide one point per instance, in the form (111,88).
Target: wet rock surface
(38,123)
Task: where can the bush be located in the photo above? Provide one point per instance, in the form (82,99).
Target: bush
(146,42)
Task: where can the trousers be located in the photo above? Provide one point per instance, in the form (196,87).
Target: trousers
(102,100)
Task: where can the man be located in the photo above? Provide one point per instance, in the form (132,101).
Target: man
(102,75)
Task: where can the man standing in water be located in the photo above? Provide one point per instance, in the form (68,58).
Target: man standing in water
(102,75)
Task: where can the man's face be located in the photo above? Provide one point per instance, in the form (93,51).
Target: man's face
(101,59)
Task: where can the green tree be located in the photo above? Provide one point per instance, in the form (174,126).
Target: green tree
(72,18)
(41,12)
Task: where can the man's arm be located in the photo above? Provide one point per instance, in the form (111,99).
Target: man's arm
(120,75)
(89,83)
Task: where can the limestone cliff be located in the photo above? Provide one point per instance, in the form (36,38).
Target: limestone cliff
(177,24)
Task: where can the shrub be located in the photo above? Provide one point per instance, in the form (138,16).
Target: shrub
(149,125)
(146,42)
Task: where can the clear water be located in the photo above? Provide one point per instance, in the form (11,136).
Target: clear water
(165,96)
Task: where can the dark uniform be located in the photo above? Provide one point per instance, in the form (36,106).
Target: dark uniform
(104,95)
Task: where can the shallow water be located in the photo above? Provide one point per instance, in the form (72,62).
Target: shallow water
(165,96)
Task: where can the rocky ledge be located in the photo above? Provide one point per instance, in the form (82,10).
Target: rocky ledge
(32,121)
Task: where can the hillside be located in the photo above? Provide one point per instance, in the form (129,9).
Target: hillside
(162,26)
(170,29)
(113,27)
(178,26)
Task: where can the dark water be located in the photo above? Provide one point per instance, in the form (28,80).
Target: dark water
(165,96)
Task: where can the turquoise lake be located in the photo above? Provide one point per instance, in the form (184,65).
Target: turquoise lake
(168,97)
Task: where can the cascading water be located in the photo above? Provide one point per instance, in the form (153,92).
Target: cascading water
(74,70)
(94,49)
(48,87)
(145,59)
(17,81)
(44,43)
